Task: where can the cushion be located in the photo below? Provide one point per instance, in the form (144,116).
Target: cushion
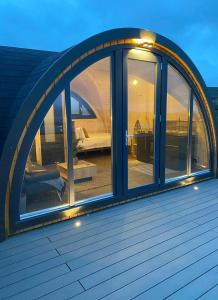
(77,133)
(42,176)
(85,133)
(80,133)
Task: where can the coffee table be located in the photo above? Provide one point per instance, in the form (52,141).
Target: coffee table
(83,170)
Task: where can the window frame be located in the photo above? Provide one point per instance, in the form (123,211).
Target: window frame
(193,94)
(52,213)
(82,102)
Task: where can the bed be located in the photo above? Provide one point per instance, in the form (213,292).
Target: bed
(92,141)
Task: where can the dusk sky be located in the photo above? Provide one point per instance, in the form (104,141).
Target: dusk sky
(59,24)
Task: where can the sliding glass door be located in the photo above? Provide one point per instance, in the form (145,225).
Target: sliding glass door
(141,119)
(177,125)
(165,135)
(186,142)
(91,122)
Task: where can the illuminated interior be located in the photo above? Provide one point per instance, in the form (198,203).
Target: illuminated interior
(93,137)
(51,180)
(141,110)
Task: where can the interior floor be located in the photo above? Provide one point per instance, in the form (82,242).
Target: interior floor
(139,174)
(99,184)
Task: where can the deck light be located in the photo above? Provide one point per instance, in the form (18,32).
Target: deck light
(196,188)
(78,224)
(135,82)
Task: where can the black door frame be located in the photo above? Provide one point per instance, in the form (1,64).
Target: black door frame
(158,144)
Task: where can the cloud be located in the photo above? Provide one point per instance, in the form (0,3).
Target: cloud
(58,24)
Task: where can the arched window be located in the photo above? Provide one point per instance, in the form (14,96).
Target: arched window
(44,186)
(177,124)
(187,146)
(48,174)
(200,143)
(80,108)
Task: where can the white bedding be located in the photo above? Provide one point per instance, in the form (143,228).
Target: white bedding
(95,141)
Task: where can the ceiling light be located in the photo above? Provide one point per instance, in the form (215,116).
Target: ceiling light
(147,43)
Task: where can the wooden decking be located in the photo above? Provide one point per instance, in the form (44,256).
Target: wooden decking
(161,247)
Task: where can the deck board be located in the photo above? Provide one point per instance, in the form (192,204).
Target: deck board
(162,246)
(211,294)
(199,286)
(178,281)
(34,281)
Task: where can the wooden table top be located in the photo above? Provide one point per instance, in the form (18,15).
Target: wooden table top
(79,165)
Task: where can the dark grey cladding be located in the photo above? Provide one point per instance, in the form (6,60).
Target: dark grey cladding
(20,69)
(213,94)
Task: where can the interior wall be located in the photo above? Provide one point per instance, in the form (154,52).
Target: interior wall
(178,96)
(141,103)
(93,85)
(143,110)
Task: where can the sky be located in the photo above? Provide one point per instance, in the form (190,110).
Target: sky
(58,24)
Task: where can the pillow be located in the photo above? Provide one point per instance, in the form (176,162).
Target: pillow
(82,134)
(85,133)
(77,133)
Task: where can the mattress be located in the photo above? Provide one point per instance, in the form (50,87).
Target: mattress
(95,141)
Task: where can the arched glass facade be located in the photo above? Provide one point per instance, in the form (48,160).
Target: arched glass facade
(74,157)
(122,115)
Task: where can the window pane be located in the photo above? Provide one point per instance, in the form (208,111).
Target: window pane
(75,106)
(43,186)
(177,124)
(92,136)
(141,105)
(200,149)
(80,107)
